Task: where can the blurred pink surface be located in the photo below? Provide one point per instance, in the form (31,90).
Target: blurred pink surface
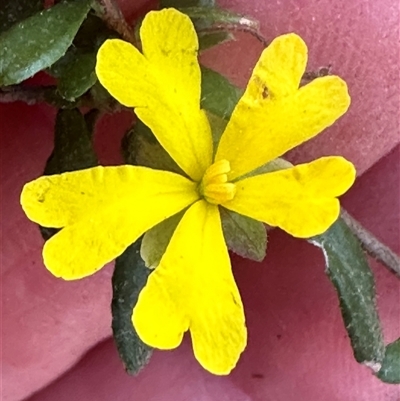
(48,324)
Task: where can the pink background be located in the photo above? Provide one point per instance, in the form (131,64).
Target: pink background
(298,348)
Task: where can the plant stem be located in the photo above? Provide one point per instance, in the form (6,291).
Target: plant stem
(372,245)
(223,20)
(48,94)
(111,14)
(28,95)
(309,76)
(41,94)
(238,28)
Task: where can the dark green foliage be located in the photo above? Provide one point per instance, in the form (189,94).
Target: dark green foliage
(218,95)
(390,371)
(130,276)
(245,236)
(141,148)
(348,269)
(36,43)
(12,11)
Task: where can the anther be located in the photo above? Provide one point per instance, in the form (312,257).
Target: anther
(214,186)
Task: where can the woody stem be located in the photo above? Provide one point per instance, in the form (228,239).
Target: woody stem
(372,245)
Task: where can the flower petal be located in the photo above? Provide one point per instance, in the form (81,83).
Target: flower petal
(301,200)
(193,288)
(103,210)
(163,84)
(274,116)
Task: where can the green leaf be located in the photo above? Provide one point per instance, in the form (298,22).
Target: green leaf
(61,65)
(218,95)
(211,39)
(92,33)
(390,370)
(141,148)
(12,11)
(186,3)
(243,235)
(130,276)
(78,76)
(218,126)
(156,240)
(348,269)
(37,42)
(73,150)
(75,72)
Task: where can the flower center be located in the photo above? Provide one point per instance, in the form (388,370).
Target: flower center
(214,186)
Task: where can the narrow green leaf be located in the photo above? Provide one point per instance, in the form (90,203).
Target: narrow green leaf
(61,65)
(390,370)
(37,42)
(78,77)
(156,240)
(92,33)
(243,235)
(73,150)
(140,147)
(130,276)
(348,269)
(211,39)
(75,72)
(218,126)
(12,11)
(218,95)
(186,3)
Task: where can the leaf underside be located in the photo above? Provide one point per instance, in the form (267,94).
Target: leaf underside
(348,269)
(130,276)
(390,370)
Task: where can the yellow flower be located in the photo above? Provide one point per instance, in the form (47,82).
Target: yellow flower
(103,210)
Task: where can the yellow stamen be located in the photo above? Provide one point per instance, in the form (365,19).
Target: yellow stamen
(214,186)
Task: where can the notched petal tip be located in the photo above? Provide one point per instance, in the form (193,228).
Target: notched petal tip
(193,289)
(291,42)
(281,66)
(274,110)
(163,23)
(33,203)
(335,88)
(151,334)
(79,264)
(222,362)
(301,200)
(318,224)
(163,83)
(346,174)
(116,60)
(157,319)
(27,200)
